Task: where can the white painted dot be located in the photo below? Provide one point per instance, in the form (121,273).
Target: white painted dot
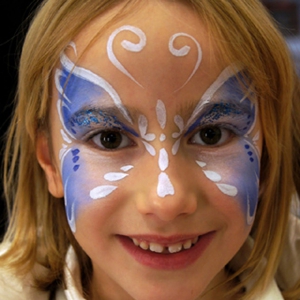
(228,189)
(149,148)
(161,114)
(102,191)
(213,176)
(114,176)
(149,137)
(162,137)
(164,186)
(201,164)
(175,147)
(126,168)
(163,160)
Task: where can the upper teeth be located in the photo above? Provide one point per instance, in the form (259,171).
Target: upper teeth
(158,248)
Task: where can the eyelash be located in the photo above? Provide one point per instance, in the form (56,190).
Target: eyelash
(116,136)
(221,129)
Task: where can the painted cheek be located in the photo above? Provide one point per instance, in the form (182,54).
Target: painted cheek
(74,174)
(236,175)
(86,180)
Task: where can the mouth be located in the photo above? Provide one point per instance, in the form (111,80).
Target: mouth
(172,253)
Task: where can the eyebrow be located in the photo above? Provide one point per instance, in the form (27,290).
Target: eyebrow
(110,114)
(215,110)
(227,107)
(105,111)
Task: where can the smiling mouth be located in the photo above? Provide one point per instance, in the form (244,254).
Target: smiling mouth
(165,249)
(166,253)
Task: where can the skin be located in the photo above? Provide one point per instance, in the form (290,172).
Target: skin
(135,207)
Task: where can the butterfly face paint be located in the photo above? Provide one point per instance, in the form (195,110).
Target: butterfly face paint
(88,104)
(226,111)
(80,92)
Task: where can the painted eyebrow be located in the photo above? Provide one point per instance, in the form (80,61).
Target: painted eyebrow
(218,109)
(186,109)
(226,107)
(105,111)
(110,114)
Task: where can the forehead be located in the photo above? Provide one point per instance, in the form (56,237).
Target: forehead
(159,50)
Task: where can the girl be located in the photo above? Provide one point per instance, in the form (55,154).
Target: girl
(153,154)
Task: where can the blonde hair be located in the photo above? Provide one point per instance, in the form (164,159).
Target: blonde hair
(243,32)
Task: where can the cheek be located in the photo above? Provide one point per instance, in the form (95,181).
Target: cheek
(245,176)
(235,171)
(88,178)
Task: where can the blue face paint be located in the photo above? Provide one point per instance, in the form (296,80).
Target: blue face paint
(93,119)
(81,109)
(71,174)
(237,117)
(85,109)
(238,162)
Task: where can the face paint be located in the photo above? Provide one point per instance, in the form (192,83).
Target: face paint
(129,46)
(184,51)
(223,105)
(80,92)
(105,190)
(147,137)
(164,187)
(234,168)
(177,135)
(89,86)
(161,114)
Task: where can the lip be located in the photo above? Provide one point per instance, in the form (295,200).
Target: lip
(163,261)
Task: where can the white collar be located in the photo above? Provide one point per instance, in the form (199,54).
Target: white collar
(72,277)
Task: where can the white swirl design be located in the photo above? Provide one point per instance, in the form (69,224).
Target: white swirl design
(185,51)
(127,45)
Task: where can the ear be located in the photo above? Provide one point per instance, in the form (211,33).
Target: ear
(52,173)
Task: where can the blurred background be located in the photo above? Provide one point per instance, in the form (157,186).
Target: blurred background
(16,16)
(287,15)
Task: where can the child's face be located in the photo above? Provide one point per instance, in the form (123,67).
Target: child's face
(158,147)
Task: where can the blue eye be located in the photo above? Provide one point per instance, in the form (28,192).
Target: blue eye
(111,140)
(211,136)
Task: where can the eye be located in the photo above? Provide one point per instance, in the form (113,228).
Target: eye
(111,140)
(211,136)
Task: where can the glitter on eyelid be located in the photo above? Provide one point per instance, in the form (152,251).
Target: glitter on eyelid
(235,116)
(83,120)
(223,109)
(92,116)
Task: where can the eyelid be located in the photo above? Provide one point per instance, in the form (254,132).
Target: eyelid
(236,120)
(90,136)
(230,127)
(120,127)
(85,122)
(231,136)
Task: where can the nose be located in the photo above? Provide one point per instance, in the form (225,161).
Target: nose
(167,195)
